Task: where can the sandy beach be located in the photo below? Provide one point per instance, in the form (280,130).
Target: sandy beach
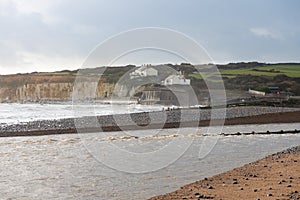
(274,177)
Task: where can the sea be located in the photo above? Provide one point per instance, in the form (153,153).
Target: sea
(117,166)
(12,113)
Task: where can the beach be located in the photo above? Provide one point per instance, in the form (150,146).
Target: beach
(64,165)
(275,177)
(61,166)
(154,120)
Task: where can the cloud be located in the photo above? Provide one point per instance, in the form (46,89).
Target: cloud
(264,32)
(38,35)
(39,7)
(28,42)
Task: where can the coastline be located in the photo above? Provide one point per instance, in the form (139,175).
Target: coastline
(141,121)
(276,176)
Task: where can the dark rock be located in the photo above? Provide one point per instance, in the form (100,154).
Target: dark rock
(199,196)
(210,187)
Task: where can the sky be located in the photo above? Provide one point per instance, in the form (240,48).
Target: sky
(51,35)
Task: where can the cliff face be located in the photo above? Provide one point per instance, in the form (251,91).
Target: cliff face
(92,89)
(36,92)
(35,88)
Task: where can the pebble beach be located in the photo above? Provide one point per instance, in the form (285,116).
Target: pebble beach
(153,120)
(275,177)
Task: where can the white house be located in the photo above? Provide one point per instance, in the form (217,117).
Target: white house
(176,79)
(144,71)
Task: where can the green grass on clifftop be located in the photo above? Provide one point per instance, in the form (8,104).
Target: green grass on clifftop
(268,70)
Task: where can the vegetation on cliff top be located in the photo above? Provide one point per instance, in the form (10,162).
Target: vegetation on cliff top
(236,76)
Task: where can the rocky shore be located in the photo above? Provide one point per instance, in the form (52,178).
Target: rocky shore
(274,177)
(162,119)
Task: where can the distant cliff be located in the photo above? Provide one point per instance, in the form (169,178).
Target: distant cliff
(117,81)
(38,87)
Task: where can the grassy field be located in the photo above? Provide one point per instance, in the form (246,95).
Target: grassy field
(196,76)
(270,70)
(291,70)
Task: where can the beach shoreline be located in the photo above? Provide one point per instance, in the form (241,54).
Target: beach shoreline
(141,121)
(276,176)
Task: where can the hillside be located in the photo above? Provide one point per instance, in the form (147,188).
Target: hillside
(238,78)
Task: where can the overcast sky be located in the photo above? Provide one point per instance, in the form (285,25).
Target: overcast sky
(49,35)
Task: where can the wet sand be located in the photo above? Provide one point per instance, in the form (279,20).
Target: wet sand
(274,177)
